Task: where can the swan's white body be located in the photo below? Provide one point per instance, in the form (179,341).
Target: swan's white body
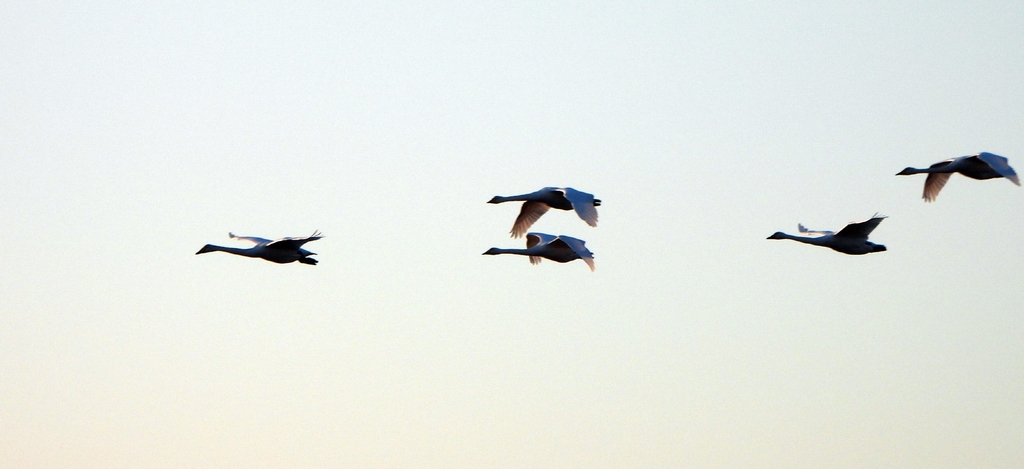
(537,204)
(984,165)
(281,251)
(556,248)
(853,239)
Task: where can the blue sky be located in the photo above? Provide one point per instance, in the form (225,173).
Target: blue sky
(134,134)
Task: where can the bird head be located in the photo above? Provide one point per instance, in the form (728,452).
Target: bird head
(492,252)
(777,235)
(207,248)
(907,171)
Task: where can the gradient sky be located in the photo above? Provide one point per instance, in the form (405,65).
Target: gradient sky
(131,135)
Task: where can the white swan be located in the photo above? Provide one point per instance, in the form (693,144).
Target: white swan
(981,166)
(281,251)
(853,239)
(538,203)
(556,248)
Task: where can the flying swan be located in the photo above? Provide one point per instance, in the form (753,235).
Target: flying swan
(556,248)
(853,239)
(537,204)
(981,166)
(281,251)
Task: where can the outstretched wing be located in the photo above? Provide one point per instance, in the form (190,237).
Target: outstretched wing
(933,184)
(293,244)
(252,239)
(1000,164)
(528,215)
(583,204)
(861,230)
(579,247)
(534,239)
(803,229)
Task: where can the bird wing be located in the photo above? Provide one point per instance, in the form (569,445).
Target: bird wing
(252,239)
(528,215)
(534,239)
(583,204)
(293,244)
(933,184)
(803,229)
(1000,164)
(860,230)
(579,247)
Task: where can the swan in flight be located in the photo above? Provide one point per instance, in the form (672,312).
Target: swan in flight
(537,204)
(853,239)
(556,248)
(981,166)
(281,251)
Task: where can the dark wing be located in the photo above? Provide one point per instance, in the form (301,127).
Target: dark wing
(528,215)
(860,230)
(293,244)
(1000,164)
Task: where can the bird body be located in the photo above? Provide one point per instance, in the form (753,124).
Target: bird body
(536,204)
(281,251)
(853,239)
(981,166)
(556,248)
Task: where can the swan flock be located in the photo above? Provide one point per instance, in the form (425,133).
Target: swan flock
(852,239)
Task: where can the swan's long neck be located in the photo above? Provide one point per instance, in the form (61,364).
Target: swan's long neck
(512,198)
(521,252)
(247,252)
(942,169)
(816,240)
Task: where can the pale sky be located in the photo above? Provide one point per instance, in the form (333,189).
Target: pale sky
(131,135)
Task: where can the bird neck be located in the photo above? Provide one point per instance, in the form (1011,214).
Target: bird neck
(815,240)
(247,252)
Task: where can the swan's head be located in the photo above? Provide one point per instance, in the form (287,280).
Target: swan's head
(777,235)
(207,248)
(492,252)
(907,171)
(597,202)
(494,200)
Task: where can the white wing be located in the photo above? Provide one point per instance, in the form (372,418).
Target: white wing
(252,239)
(1001,165)
(803,229)
(528,215)
(579,247)
(538,239)
(583,203)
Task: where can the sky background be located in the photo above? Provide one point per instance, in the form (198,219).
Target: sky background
(133,134)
